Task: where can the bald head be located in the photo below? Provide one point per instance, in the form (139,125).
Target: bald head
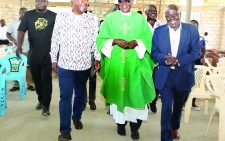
(172,7)
(79,6)
(41,5)
(115,7)
(22,12)
(151,12)
(172,15)
(2,22)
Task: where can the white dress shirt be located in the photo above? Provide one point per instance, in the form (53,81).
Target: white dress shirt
(74,38)
(174,41)
(13,30)
(3,32)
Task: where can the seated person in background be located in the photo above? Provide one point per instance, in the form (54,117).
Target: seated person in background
(200,61)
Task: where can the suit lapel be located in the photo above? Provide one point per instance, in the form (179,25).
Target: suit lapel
(182,39)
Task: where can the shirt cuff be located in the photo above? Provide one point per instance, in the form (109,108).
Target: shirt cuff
(107,48)
(98,57)
(140,49)
(53,59)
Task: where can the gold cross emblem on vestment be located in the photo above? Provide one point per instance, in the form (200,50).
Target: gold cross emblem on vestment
(123,83)
(123,56)
(125,28)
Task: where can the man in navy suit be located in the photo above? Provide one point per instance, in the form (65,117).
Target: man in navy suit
(175,47)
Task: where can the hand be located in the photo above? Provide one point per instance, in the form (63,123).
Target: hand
(170,60)
(18,51)
(15,42)
(10,44)
(202,61)
(97,66)
(55,67)
(132,44)
(121,43)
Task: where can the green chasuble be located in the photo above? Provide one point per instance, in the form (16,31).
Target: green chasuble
(127,80)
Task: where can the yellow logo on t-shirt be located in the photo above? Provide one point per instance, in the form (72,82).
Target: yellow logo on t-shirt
(41,24)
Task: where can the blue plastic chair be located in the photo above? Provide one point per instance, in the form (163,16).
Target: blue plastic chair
(2,87)
(16,71)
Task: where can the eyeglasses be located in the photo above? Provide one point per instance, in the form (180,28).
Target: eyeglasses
(169,16)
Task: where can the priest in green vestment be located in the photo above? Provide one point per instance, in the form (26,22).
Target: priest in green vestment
(124,41)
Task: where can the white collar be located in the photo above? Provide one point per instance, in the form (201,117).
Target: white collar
(179,29)
(125,14)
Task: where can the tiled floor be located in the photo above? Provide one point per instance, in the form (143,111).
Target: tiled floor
(23,123)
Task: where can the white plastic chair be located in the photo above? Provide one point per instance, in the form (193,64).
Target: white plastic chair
(216,85)
(221,62)
(198,91)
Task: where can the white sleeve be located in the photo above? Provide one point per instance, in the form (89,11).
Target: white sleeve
(140,49)
(107,48)
(10,28)
(55,41)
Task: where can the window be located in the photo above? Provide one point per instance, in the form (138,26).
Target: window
(59,9)
(195,15)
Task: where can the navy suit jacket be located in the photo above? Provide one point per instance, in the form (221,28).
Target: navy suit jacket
(188,52)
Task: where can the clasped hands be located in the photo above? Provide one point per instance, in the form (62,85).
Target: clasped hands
(170,60)
(124,44)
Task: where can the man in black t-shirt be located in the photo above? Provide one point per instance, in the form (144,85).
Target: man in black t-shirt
(39,23)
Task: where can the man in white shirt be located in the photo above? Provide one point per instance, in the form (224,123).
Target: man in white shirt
(73,42)
(12,36)
(3,29)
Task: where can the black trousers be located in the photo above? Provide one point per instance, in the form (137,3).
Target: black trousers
(156,91)
(156,97)
(42,77)
(92,85)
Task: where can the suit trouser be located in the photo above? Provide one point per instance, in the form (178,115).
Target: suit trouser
(42,76)
(70,81)
(172,104)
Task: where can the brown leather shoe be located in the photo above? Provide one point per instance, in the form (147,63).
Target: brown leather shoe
(77,124)
(65,137)
(175,135)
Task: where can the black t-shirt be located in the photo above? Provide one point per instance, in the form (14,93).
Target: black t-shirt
(40,27)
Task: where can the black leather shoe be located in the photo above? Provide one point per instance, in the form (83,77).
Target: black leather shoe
(13,89)
(135,135)
(45,111)
(31,88)
(153,108)
(121,129)
(39,106)
(65,137)
(92,106)
(78,124)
